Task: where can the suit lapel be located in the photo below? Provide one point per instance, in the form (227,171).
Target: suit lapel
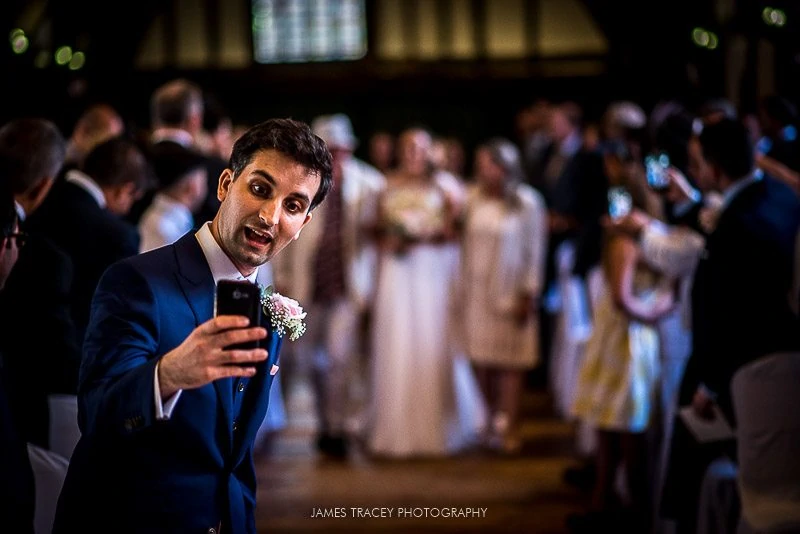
(197,283)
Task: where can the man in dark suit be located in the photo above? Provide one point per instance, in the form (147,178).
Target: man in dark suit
(17,496)
(37,292)
(83,217)
(177,111)
(168,415)
(740,305)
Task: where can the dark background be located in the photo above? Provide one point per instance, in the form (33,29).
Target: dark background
(651,57)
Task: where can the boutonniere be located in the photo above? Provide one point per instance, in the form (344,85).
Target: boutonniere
(285,314)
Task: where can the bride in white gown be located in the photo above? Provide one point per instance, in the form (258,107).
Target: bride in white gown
(425,401)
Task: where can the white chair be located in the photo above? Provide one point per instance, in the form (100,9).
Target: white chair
(766,398)
(49,472)
(64,431)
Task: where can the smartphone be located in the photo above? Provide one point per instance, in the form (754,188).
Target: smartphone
(620,202)
(239,298)
(657,165)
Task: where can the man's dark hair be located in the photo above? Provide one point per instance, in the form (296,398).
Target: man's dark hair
(30,150)
(118,161)
(673,135)
(293,139)
(8,211)
(727,144)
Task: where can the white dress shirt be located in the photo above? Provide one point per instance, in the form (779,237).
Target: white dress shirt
(20,211)
(222,268)
(164,222)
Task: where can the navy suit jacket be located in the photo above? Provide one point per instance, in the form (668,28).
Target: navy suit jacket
(131,472)
(740,299)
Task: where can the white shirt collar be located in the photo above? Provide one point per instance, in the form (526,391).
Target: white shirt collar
(222,268)
(177,135)
(85,182)
(20,211)
(737,187)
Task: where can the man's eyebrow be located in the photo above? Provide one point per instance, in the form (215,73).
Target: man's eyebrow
(265,175)
(271,179)
(302,197)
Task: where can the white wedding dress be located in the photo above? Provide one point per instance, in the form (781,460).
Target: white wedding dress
(425,400)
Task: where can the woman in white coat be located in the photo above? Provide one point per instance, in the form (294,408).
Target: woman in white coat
(504,246)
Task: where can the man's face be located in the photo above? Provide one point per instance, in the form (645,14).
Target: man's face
(8,257)
(263,209)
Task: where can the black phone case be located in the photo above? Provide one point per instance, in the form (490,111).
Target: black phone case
(239,298)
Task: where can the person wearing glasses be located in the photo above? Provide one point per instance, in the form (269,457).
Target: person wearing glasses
(17,493)
(32,152)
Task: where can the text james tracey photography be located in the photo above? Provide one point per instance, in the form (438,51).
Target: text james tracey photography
(400,512)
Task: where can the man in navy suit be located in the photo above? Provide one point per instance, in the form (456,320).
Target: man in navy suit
(740,305)
(168,415)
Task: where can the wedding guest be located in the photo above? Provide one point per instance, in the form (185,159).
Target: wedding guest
(176,115)
(37,292)
(332,267)
(182,184)
(502,266)
(740,309)
(17,496)
(84,214)
(618,380)
(97,124)
(168,415)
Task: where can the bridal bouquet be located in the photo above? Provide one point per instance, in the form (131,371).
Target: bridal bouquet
(285,314)
(411,215)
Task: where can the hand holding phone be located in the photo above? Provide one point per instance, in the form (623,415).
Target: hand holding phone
(239,298)
(656,166)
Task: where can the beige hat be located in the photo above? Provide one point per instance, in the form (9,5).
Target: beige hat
(336,130)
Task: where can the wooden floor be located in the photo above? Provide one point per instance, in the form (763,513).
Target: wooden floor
(519,494)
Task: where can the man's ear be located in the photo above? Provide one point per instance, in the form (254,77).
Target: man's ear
(225,181)
(309,216)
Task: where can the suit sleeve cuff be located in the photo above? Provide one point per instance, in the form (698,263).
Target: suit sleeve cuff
(163,409)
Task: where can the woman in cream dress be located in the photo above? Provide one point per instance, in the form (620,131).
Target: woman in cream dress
(421,404)
(502,269)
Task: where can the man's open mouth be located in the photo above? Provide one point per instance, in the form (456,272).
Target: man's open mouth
(260,237)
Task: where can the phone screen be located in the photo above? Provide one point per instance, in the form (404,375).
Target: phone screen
(656,166)
(239,298)
(619,202)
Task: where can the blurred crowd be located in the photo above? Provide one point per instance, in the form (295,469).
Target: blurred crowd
(643,263)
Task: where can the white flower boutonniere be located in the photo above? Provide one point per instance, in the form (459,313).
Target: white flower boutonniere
(285,314)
